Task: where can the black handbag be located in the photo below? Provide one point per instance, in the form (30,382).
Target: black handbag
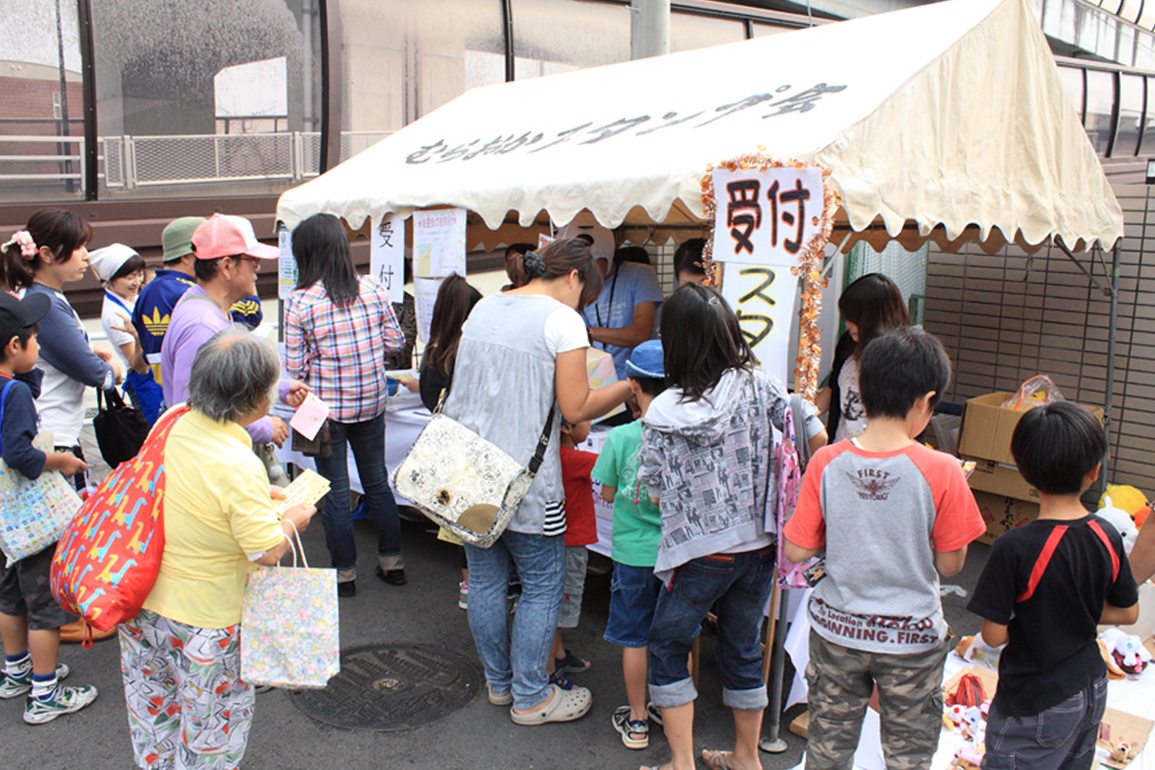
(120,429)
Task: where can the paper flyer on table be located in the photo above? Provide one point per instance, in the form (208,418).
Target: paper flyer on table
(310,416)
(439,243)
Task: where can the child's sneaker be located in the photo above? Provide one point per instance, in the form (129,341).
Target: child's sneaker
(572,664)
(654,712)
(13,686)
(635,735)
(463,595)
(64,700)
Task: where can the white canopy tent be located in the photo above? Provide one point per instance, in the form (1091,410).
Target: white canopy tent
(947,121)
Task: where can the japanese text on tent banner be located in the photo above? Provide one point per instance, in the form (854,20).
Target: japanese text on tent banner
(766,217)
(387,255)
(439,243)
(286,265)
(425,295)
(763,298)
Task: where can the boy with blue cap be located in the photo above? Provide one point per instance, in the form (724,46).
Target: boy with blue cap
(636,530)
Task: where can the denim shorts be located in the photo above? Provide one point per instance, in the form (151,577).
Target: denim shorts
(740,584)
(633,596)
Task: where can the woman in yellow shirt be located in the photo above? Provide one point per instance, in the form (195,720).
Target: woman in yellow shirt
(180,656)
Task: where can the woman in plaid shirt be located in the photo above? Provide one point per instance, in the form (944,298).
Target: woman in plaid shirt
(339,329)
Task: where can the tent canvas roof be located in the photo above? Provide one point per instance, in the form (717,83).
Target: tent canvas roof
(950,115)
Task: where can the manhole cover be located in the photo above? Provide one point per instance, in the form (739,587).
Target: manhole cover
(392,687)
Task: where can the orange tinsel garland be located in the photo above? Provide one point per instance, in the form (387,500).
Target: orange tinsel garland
(809,265)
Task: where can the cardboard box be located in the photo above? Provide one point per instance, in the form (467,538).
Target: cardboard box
(1000,479)
(1002,514)
(987,427)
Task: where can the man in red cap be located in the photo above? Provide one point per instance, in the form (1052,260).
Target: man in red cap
(228,258)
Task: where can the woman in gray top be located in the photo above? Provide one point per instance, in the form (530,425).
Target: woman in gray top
(519,352)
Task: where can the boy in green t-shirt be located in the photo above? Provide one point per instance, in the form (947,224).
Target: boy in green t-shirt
(636,531)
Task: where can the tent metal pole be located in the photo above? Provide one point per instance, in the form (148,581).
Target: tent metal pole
(772,742)
(1111,342)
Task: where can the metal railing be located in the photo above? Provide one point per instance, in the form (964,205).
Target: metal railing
(131,162)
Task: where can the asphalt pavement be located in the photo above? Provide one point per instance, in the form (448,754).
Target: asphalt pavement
(425,611)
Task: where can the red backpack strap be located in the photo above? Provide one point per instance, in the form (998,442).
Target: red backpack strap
(1042,562)
(1098,530)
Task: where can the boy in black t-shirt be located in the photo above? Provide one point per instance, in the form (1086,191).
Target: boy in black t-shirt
(1044,589)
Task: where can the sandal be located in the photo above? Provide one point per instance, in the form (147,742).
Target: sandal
(562,706)
(635,734)
(717,760)
(571,664)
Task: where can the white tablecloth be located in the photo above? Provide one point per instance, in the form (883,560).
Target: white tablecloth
(405,416)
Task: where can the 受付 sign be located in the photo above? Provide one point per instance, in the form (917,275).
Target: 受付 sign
(387,255)
(766,217)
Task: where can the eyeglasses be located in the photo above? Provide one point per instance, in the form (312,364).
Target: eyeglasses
(244,258)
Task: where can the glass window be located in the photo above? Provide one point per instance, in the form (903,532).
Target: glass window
(1072,78)
(1130,9)
(1130,116)
(218,97)
(1147,148)
(688,30)
(1147,18)
(406,58)
(1100,102)
(42,120)
(551,36)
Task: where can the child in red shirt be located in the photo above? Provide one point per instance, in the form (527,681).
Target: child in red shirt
(580,530)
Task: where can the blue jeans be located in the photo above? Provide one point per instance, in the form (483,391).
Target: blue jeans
(368,442)
(1059,738)
(740,583)
(540,563)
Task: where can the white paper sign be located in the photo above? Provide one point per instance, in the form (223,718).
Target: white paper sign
(424,297)
(439,243)
(766,217)
(286,265)
(763,299)
(387,255)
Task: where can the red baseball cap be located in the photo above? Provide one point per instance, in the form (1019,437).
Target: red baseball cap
(227,236)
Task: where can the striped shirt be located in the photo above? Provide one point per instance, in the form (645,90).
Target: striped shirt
(341,351)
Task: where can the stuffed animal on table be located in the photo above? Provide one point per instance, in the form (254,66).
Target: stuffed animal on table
(1120,520)
(1126,650)
(1126,497)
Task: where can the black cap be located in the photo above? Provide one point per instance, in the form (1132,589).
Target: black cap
(18,314)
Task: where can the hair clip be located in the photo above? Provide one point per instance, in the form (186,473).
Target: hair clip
(27,246)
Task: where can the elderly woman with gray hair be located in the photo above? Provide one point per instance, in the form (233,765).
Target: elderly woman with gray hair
(180,657)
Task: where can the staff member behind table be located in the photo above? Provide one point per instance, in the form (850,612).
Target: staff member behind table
(623,315)
(180,657)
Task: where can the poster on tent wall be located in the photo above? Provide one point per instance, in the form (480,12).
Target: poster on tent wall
(286,265)
(763,298)
(439,243)
(424,297)
(387,256)
(772,219)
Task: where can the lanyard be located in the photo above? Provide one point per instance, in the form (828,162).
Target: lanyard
(118,301)
(610,308)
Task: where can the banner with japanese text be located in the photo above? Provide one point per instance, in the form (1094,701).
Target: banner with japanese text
(763,299)
(439,243)
(387,255)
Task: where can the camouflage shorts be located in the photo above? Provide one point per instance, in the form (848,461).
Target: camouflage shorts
(910,704)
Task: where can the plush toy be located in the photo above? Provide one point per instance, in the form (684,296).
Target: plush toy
(1120,520)
(1124,496)
(1127,651)
(1141,516)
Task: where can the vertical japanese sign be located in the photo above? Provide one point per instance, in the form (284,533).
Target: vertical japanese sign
(387,255)
(286,264)
(439,243)
(764,219)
